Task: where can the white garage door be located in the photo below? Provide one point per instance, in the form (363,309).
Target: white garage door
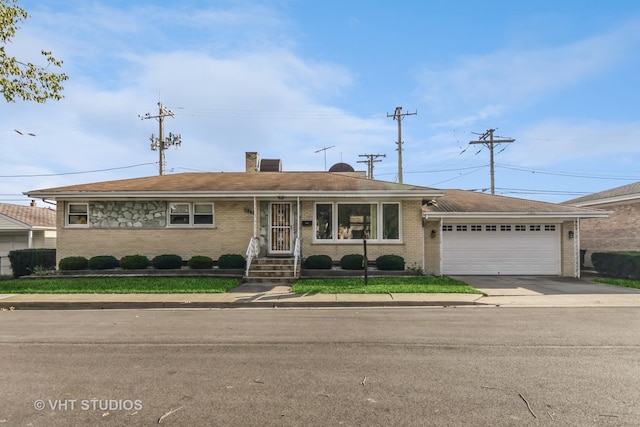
(501,249)
(10,241)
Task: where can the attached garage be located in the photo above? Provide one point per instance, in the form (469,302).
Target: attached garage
(483,234)
(501,249)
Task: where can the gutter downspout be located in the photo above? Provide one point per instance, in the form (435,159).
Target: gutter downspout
(30,242)
(440,243)
(576,246)
(299,216)
(424,236)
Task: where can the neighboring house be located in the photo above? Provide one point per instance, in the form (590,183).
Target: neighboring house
(298,214)
(24,227)
(621,230)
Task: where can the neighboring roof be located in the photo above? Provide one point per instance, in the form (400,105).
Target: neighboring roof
(618,194)
(239,184)
(463,203)
(31,216)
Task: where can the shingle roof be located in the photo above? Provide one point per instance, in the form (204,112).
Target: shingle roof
(626,191)
(30,215)
(241,182)
(463,201)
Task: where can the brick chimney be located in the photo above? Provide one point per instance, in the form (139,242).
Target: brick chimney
(251,162)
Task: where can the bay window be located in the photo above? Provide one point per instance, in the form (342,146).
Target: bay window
(344,221)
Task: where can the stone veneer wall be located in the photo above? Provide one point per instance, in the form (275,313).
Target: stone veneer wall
(131,214)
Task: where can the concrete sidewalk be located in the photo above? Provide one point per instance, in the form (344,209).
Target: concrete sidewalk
(253,295)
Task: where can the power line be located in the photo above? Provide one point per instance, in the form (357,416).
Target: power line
(569,174)
(489,141)
(371,159)
(161,143)
(75,173)
(399,115)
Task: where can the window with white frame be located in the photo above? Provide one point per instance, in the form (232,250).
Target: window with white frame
(324,221)
(191,214)
(77,214)
(356,221)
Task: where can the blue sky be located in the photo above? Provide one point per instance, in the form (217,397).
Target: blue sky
(287,78)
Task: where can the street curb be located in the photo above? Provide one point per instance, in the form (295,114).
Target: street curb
(123,305)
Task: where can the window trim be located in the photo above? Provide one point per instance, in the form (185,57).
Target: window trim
(68,214)
(191,215)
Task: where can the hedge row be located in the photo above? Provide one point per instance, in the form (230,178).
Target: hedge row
(28,261)
(354,262)
(622,265)
(141,262)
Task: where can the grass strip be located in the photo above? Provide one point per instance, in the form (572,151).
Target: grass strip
(119,285)
(619,282)
(383,285)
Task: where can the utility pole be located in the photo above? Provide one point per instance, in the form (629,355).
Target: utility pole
(325,155)
(399,115)
(371,159)
(491,143)
(161,143)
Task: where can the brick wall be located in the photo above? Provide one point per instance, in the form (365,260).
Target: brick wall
(231,234)
(432,248)
(619,232)
(568,249)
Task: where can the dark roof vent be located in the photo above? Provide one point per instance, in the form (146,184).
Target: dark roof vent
(341,167)
(270,165)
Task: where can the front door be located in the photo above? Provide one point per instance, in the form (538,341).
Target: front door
(280,234)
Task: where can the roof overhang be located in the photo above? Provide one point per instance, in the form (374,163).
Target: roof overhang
(516,215)
(170,195)
(609,200)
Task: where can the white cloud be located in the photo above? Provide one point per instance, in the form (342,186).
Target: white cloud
(499,81)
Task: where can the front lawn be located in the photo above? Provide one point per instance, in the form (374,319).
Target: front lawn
(619,282)
(383,285)
(119,285)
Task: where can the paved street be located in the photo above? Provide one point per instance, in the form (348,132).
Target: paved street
(367,366)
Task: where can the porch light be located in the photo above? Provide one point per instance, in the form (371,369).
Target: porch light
(571,234)
(433,234)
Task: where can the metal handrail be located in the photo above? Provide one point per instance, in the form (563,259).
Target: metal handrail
(296,255)
(252,252)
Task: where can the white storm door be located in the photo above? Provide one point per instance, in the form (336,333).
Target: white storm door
(280,228)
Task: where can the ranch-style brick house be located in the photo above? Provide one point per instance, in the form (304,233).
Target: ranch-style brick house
(265,212)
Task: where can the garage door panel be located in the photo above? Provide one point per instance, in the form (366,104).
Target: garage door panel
(501,252)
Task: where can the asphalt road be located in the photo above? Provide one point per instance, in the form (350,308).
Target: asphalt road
(413,366)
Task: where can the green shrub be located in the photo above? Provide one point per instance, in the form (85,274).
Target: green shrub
(200,262)
(26,261)
(318,262)
(73,263)
(231,261)
(622,265)
(134,262)
(390,262)
(167,262)
(352,262)
(103,262)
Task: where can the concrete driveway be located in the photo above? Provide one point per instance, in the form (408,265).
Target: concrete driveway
(541,285)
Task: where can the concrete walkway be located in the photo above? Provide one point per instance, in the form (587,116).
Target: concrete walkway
(512,291)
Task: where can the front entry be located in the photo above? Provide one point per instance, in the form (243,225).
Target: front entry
(280,235)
